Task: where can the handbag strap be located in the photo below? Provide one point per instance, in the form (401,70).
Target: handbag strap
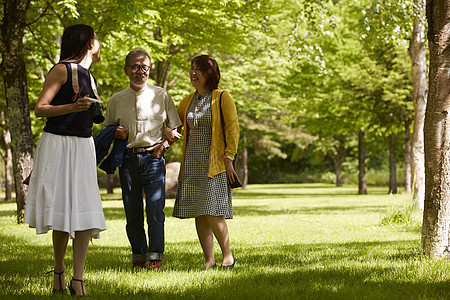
(221,118)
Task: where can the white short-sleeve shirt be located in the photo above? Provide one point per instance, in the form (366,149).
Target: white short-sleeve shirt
(144,113)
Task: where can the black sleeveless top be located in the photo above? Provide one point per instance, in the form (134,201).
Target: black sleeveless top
(76,123)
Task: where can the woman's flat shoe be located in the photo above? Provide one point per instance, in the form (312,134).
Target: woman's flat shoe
(229,267)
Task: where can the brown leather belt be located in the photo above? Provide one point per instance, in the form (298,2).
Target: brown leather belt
(139,150)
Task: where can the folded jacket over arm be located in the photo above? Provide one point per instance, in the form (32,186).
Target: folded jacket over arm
(102,143)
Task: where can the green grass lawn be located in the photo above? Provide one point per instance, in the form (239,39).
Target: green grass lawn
(296,241)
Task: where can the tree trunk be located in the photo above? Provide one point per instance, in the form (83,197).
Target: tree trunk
(15,81)
(161,73)
(338,158)
(392,165)
(436,215)
(161,69)
(8,165)
(7,158)
(110,183)
(407,157)
(418,51)
(362,184)
(245,161)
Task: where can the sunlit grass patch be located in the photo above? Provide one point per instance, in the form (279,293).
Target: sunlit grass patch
(304,241)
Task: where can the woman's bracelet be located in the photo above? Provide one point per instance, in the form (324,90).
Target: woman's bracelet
(231,158)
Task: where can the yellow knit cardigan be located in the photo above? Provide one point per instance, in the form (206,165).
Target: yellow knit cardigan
(218,152)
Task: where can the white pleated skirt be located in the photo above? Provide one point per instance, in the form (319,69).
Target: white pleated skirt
(63,193)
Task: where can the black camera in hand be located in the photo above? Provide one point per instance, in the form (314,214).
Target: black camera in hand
(96,110)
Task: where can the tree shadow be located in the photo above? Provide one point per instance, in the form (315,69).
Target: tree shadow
(6,213)
(114,213)
(261,210)
(268,270)
(300,270)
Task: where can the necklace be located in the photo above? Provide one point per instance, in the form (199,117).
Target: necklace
(199,105)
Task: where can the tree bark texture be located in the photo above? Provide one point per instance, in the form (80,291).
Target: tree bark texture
(392,165)
(362,184)
(14,75)
(418,51)
(436,215)
(407,157)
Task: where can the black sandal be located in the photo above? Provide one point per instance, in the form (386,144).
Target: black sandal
(72,291)
(60,290)
(229,267)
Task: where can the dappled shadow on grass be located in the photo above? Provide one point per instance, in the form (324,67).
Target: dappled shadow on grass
(107,258)
(111,197)
(261,210)
(312,271)
(354,270)
(316,271)
(259,196)
(24,264)
(5,213)
(302,270)
(114,213)
(118,213)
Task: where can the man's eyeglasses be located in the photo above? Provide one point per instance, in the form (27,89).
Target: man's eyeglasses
(136,68)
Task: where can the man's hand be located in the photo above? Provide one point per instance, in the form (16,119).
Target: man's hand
(121,132)
(158,151)
(172,134)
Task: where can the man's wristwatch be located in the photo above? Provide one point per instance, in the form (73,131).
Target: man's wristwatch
(165,146)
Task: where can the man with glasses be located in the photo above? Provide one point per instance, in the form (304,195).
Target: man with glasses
(140,113)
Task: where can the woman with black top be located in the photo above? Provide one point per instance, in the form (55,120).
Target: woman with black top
(63,195)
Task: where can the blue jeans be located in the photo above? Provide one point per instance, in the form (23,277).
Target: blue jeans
(141,172)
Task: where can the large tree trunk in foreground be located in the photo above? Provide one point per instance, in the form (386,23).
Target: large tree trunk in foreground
(418,52)
(14,76)
(436,215)
(362,184)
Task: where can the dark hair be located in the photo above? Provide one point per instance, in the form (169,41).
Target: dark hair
(75,42)
(208,65)
(134,53)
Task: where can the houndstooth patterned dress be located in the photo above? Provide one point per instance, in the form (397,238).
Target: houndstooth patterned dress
(198,194)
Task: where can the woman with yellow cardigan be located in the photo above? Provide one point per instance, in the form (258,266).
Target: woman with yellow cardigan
(203,190)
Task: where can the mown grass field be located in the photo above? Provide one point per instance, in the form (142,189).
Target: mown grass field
(295,241)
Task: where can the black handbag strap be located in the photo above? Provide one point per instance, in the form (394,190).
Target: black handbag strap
(221,118)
